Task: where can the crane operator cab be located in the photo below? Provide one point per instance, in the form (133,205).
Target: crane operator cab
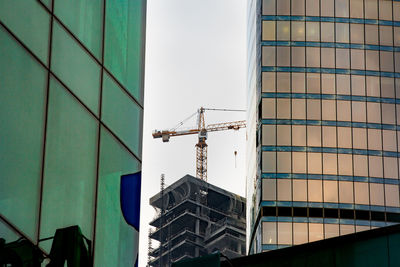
(203,135)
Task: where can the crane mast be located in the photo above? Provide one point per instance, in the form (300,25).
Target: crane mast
(202,131)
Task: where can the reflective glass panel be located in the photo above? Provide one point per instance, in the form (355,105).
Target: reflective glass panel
(269,232)
(299,163)
(376,194)
(115,239)
(22,102)
(346,192)
(284,188)
(375,166)
(300,233)
(268,7)
(331,190)
(392,195)
(268,30)
(329,167)
(70,63)
(122,115)
(360,165)
(268,161)
(315,190)
(70,165)
(84,19)
(361,191)
(284,161)
(345,162)
(284,233)
(124,43)
(316,231)
(36,35)
(269,189)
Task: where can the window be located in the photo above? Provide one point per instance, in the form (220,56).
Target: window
(344,137)
(386,58)
(298,56)
(312,8)
(357,32)
(298,83)
(283,108)
(357,59)
(356,9)
(299,190)
(329,136)
(375,166)
(313,83)
(376,194)
(269,232)
(374,139)
(371,9)
(361,191)
(268,161)
(388,113)
(284,233)
(343,84)
(268,135)
(387,87)
(372,60)
(268,81)
(312,30)
(342,32)
(283,81)
(386,35)
(298,7)
(268,7)
(327,32)
(268,56)
(283,30)
(359,138)
(268,108)
(330,164)
(329,110)
(331,191)
(371,34)
(283,56)
(389,140)
(385,10)
(283,7)
(298,109)
(313,109)
(269,189)
(327,8)
(315,190)
(342,8)
(328,83)
(390,167)
(342,58)
(315,231)
(373,86)
(345,164)
(299,166)
(360,165)
(346,192)
(314,136)
(327,57)
(300,233)
(343,110)
(268,30)
(392,195)
(313,56)
(299,135)
(284,187)
(358,109)
(284,135)
(298,31)
(314,165)
(373,112)
(331,230)
(357,85)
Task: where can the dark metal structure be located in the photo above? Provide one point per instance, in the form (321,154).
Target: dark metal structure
(198,219)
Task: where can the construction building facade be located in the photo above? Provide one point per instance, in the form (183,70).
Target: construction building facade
(195,218)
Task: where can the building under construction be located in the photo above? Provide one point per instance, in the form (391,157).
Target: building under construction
(195,218)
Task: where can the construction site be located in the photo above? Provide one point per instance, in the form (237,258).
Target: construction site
(195,218)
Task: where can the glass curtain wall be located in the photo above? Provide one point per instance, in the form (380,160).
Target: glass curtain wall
(328,120)
(71,109)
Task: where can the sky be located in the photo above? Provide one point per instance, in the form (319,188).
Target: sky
(195,57)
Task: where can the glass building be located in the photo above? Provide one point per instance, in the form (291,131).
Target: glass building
(71,108)
(324,115)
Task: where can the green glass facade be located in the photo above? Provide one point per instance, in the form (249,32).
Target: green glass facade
(71,110)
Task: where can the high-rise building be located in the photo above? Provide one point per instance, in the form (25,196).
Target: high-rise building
(71,107)
(323,137)
(195,218)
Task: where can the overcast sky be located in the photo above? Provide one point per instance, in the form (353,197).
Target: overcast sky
(195,56)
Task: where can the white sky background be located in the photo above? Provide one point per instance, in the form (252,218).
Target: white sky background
(195,56)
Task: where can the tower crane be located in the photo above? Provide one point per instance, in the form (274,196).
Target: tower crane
(202,130)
